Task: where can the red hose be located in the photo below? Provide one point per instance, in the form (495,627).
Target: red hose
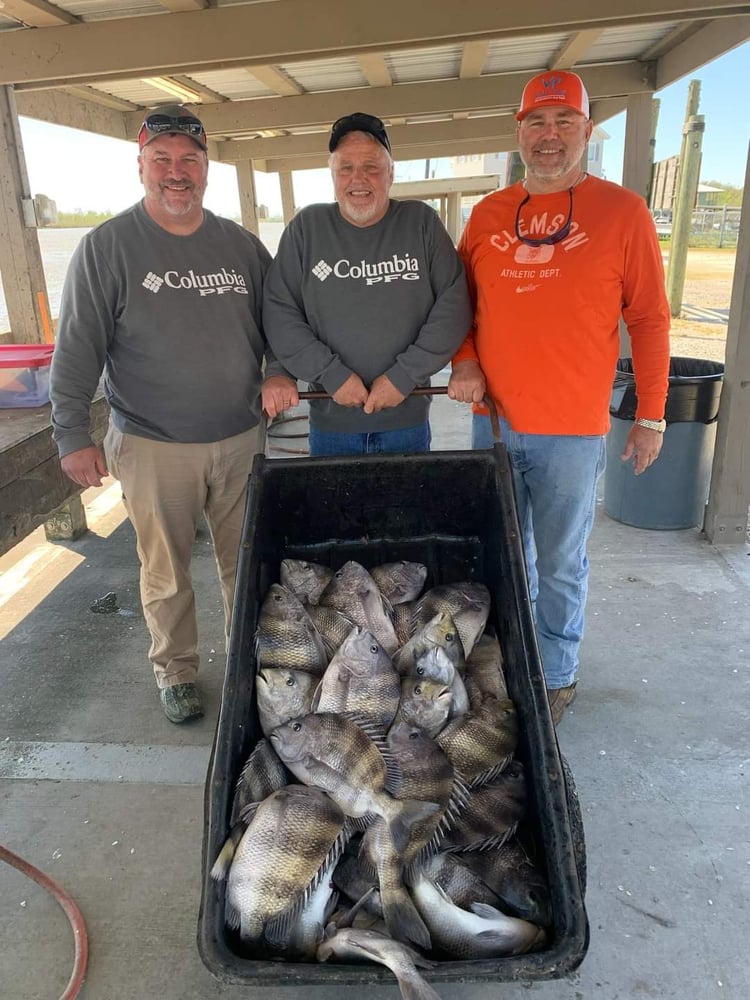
(80,938)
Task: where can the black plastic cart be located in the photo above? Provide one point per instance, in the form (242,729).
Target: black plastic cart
(455,512)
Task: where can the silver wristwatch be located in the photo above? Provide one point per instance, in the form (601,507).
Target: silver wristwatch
(653,425)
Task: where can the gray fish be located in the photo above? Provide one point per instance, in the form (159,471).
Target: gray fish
(332,626)
(355,944)
(482,742)
(400,581)
(484,671)
(403,621)
(519,884)
(298,936)
(306,580)
(481,932)
(435,664)
(424,773)
(283,694)
(262,774)
(440,631)
(453,873)
(286,636)
(334,753)
(492,812)
(292,839)
(425,704)
(360,680)
(354,593)
(358,882)
(467,602)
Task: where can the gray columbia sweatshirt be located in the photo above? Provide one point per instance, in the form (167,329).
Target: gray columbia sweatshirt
(172,321)
(384,299)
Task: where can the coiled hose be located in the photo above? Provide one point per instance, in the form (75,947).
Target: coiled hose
(74,915)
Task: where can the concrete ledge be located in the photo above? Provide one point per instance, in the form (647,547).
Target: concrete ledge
(32,484)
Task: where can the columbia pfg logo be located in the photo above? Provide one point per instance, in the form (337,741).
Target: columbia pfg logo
(152,282)
(322,270)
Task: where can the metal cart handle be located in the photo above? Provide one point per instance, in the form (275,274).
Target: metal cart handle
(429,390)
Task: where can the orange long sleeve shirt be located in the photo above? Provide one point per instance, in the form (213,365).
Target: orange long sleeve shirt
(546,327)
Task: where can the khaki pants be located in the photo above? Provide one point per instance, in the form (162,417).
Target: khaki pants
(166,488)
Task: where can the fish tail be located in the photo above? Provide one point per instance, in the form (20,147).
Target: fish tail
(413,987)
(220,868)
(402,816)
(402,919)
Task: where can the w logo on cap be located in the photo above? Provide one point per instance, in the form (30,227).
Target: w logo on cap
(551,82)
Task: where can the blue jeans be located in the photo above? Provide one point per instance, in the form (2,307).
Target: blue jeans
(555,480)
(406,439)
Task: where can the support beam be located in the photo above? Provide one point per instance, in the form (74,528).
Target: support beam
(636,167)
(37,13)
(248,196)
(574,49)
(287,195)
(711,41)
(453,216)
(21,266)
(277,80)
(375,69)
(261,34)
(729,496)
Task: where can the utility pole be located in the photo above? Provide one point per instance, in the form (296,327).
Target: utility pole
(687,190)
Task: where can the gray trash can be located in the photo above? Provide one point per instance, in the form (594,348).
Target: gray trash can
(672,493)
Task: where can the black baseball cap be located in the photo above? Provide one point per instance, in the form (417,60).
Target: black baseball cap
(359,121)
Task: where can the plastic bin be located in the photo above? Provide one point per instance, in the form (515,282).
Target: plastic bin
(672,493)
(24,374)
(455,512)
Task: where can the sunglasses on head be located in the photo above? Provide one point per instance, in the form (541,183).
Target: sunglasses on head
(189,124)
(548,240)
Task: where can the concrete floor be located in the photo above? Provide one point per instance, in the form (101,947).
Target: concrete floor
(104,795)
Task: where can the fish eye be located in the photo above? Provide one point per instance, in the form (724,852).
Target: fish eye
(290,682)
(414,735)
(374,648)
(420,671)
(277,597)
(297,727)
(418,689)
(449,636)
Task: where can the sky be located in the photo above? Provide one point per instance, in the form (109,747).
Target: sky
(80,170)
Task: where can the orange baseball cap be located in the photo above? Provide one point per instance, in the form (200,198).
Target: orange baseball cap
(556,88)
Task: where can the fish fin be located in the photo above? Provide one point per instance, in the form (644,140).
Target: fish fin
(388,608)
(231,916)
(413,987)
(403,921)
(347,918)
(491,773)
(247,813)
(411,812)
(316,697)
(486,911)
(223,862)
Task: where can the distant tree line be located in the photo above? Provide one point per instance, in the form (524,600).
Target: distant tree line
(72,220)
(729,195)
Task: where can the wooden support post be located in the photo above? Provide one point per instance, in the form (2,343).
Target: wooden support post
(453,223)
(248,196)
(687,190)
(21,265)
(287,196)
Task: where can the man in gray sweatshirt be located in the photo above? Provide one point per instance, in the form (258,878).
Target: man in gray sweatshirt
(165,300)
(365,300)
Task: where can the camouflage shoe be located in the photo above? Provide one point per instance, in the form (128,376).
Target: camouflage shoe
(181,702)
(559,700)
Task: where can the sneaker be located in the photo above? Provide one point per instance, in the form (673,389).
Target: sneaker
(559,700)
(181,702)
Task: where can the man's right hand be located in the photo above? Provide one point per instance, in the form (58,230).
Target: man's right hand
(85,466)
(467,383)
(352,393)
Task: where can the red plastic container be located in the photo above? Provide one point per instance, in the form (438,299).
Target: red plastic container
(24,374)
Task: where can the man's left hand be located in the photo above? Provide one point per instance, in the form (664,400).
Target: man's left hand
(643,446)
(383,394)
(278,393)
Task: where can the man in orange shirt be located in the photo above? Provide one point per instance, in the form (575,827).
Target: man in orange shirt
(552,263)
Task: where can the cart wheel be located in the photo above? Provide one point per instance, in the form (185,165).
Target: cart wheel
(576,824)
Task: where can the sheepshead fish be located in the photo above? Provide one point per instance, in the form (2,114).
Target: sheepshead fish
(355,944)
(483,931)
(435,663)
(514,878)
(458,880)
(332,626)
(283,694)
(292,839)
(306,580)
(424,773)
(467,602)
(286,636)
(482,742)
(440,631)
(354,593)
(403,621)
(492,813)
(424,704)
(400,581)
(360,679)
(262,774)
(484,671)
(358,882)
(336,754)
